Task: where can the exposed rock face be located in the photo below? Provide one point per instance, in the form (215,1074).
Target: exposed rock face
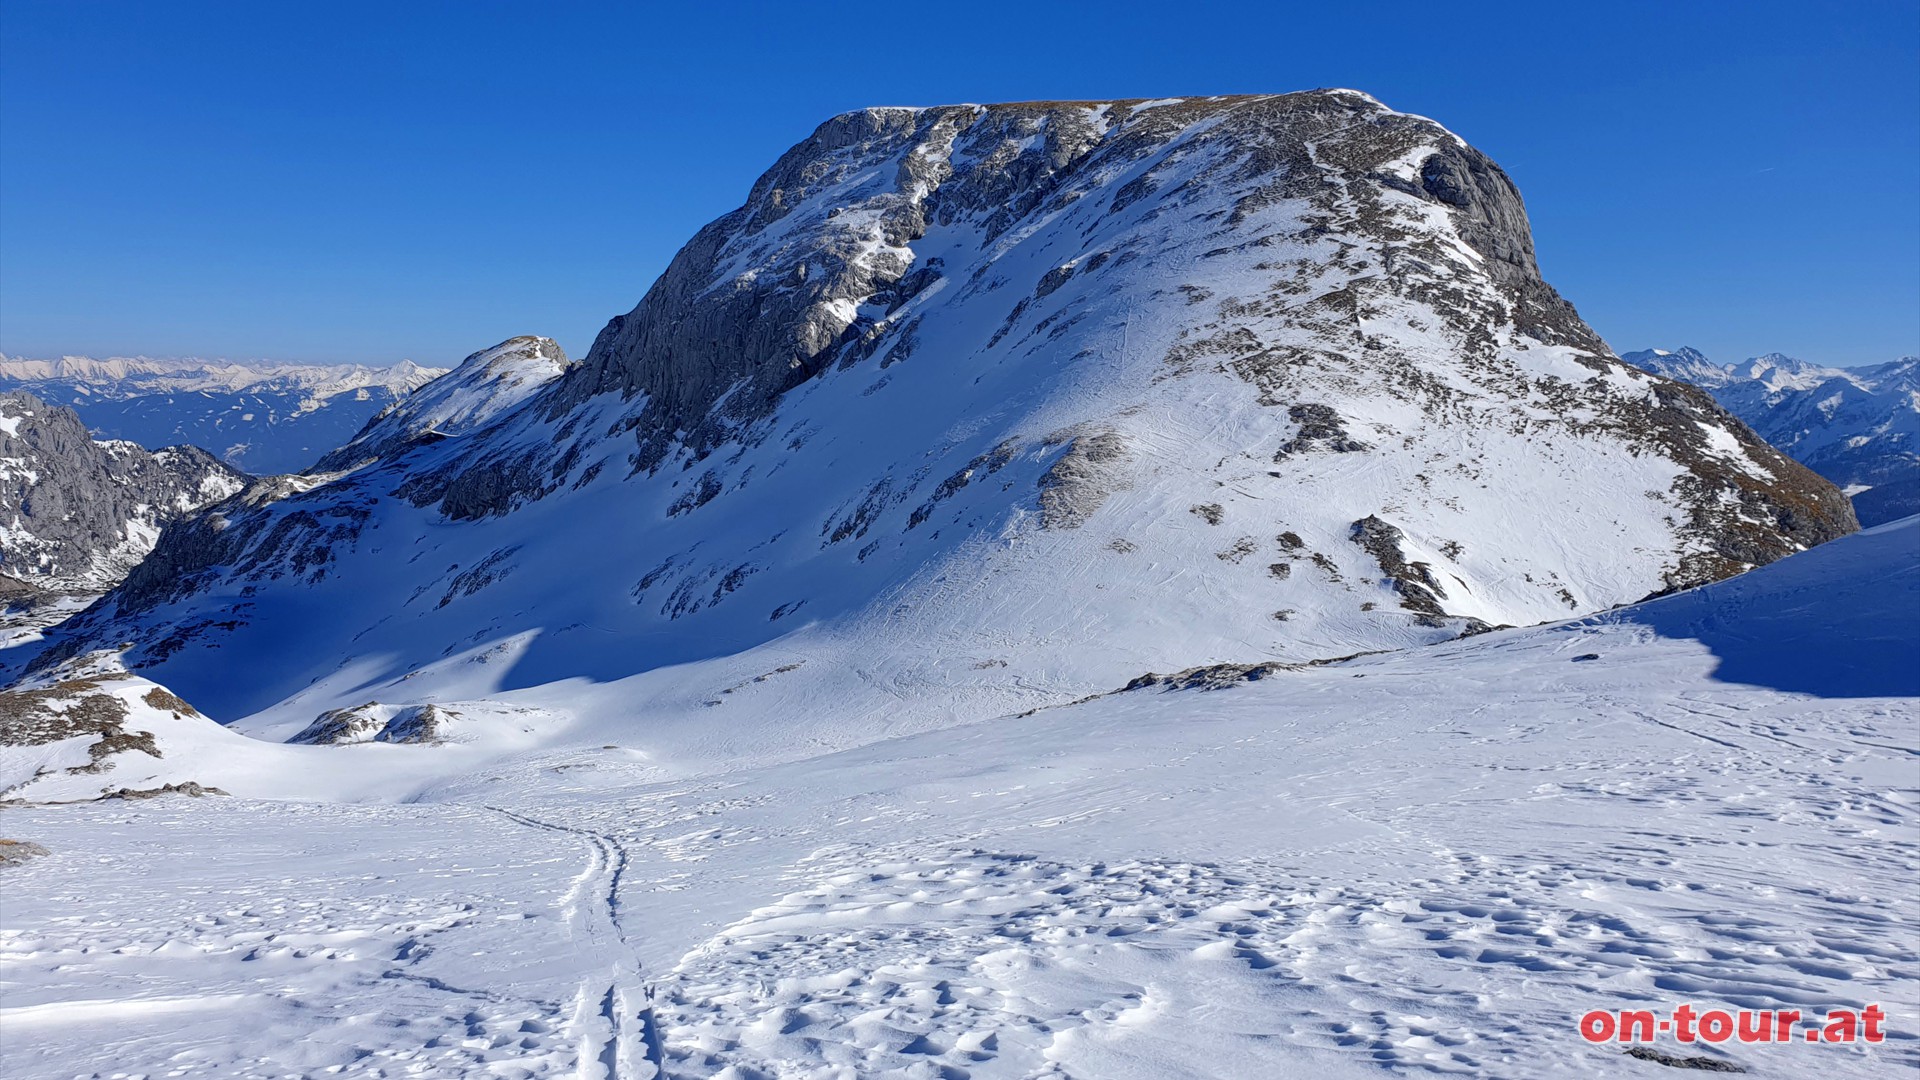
(1413,579)
(1859,428)
(765,298)
(1073,488)
(417,724)
(1320,429)
(1211,677)
(74,709)
(336,727)
(76,514)
(15,852)
(1102,386)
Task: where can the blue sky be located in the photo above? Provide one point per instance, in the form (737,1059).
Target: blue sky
(372,182)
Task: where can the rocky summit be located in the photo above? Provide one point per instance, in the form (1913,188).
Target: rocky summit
(975,409)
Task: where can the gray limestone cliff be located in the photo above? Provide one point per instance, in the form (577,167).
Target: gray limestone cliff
(77,513)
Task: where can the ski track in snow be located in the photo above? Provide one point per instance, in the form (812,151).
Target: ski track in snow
(614,1010)
(294,940)
(913,910)
(912,960)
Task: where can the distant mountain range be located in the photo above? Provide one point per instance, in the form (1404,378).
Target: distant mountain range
(261,419)
(1858,427)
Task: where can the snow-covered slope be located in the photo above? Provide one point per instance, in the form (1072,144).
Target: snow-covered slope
(260,418)
(1430,861)
(970,410)
(1858,427)
(484,385)
(76,513)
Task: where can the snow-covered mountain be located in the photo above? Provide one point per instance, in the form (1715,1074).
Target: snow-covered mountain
(1686,364)
(1858,427)
(77,513)
(970,410)
(259,418)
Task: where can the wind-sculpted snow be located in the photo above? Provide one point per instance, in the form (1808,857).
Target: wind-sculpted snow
(930,417)
(1426,862)
(1756,625)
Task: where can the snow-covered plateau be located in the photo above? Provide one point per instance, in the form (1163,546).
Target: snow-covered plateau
(1133,590)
